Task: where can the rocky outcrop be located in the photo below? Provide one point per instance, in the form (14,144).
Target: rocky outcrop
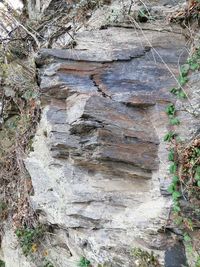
(99,163)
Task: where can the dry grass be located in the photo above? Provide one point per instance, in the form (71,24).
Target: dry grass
(20,115)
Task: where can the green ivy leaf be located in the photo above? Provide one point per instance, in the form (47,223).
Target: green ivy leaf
(176,208)
(18,233)
(197,263)
(170,109)
(194,66)
(187,238)
(197,150)
(171,155)
(182,80)
(174,121)
(84,262)
(176,195)
(184,69)
(197,174)
(178,92)
(174,91)
(171,188)
(173,168)
(175,179)
(179,220)
(181,94)
(169,136)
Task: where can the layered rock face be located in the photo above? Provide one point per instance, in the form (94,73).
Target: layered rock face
(99,163)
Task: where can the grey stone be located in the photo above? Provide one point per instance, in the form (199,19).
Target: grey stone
(99,165)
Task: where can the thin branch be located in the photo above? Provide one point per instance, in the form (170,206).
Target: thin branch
(28,32)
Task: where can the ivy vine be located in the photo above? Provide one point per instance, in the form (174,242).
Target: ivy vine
(184,161)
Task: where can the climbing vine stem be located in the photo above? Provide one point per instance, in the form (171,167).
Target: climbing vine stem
(184,165)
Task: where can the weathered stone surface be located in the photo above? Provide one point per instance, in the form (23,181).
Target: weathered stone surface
(120,64)
(175,256)
(99,165)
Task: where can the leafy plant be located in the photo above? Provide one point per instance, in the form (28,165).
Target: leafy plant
(176,195)
(2,263)
(194,61)
(188,242)
(197,263)
(174,121)
(187,238)
(170,110)
(171,155)
(169,136)
(173,168)
(145,259)
(184,69)
(197,173)
(182,80)
(173,185)
(84,262)
(178,92)
(29,238)
(47,263)
(185,163)
(176,207)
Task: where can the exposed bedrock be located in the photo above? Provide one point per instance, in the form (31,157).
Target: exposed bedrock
(99,165)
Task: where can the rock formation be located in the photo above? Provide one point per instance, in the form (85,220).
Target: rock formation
(99,167)
(95,165)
